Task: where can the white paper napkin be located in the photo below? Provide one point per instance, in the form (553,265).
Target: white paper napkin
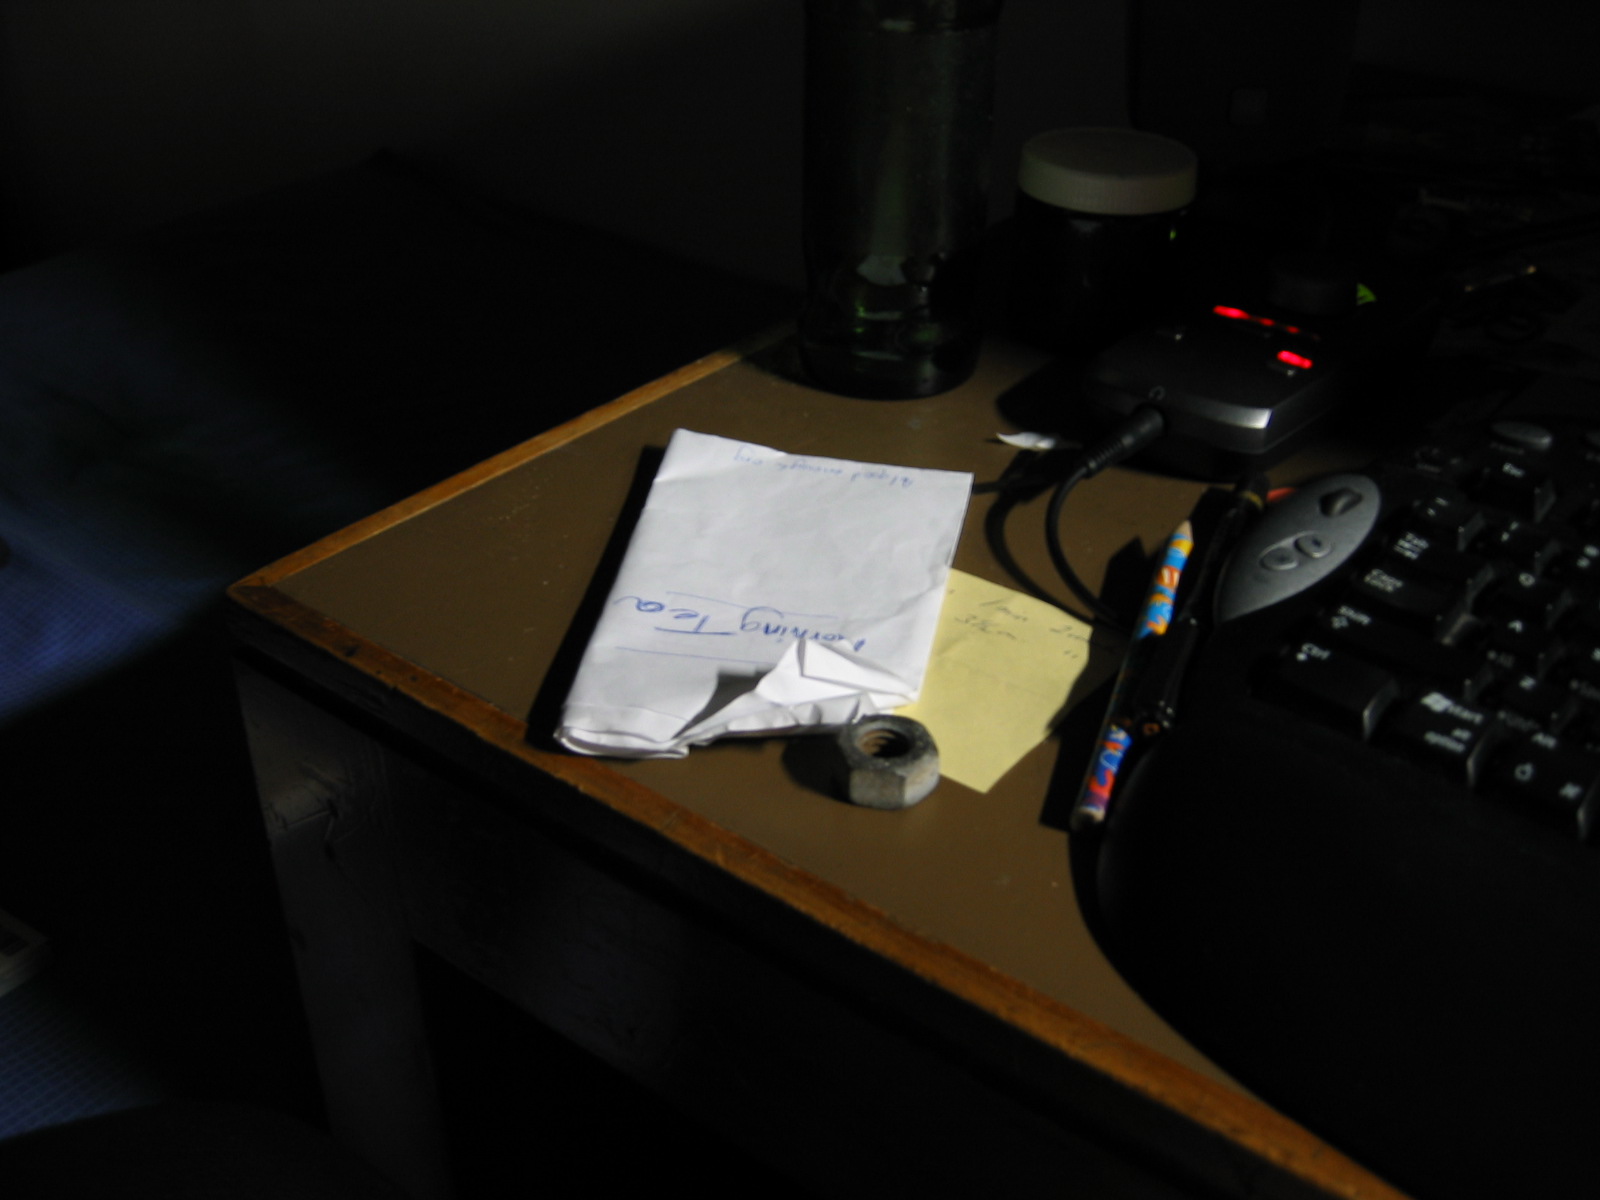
(765,592)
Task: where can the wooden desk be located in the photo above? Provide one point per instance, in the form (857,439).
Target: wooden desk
(860,995)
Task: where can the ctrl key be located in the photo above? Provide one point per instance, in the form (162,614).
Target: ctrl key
(1342,691)
(1555,783)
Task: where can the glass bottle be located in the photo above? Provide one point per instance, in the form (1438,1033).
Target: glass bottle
(898,113)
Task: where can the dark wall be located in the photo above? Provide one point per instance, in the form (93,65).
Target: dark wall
(674,123)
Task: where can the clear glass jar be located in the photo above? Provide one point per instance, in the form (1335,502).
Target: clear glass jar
(898,114)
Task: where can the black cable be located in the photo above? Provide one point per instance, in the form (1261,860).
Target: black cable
(1136,432)
(1058,556)
(994,526)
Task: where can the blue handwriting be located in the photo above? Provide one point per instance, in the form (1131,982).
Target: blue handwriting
(759,620)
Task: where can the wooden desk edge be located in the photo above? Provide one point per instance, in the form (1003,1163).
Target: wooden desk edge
(1237,1117)
(508,459)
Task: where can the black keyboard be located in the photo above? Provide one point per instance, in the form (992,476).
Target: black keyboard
(1465,634)
(1361,870)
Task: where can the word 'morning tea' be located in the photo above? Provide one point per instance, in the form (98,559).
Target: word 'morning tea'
(770,622)
(758,620)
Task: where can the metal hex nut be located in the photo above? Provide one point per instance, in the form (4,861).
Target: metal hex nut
(887,762)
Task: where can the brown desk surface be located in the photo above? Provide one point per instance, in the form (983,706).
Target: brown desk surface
(462,596)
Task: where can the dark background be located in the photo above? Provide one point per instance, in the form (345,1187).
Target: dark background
(385,240)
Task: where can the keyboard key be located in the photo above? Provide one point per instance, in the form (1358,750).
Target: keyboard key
(1441,461)
(1520,545)
(1580,668)
(1526,643)
(1547,780)
(1514,485)
(1428,555)
(1523,435)
(1531,703)
(1578,565)
(1583,619)
(1585,514)
(1524,594)
(1583,731)
(1363,631)
(1443,732)
(1448,514)
(1333,685)
(1426,605)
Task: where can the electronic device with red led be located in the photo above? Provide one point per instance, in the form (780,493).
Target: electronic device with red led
(1242,382)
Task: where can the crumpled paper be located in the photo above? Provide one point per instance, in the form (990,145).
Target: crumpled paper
(765,592)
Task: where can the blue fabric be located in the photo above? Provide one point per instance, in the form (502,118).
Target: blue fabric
(139,475)
(57,1063)
(181,408)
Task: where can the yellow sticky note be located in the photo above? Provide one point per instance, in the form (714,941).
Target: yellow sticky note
(1004,669)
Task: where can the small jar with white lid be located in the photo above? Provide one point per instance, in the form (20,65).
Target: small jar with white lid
(1097,234)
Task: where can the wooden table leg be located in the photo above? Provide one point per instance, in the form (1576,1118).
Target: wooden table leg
(321,786)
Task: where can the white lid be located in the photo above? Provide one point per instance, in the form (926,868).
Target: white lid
(1112,172)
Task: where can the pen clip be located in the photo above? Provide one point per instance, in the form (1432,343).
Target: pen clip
(1153,703)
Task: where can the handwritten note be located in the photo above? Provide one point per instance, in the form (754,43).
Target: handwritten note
(765,592)
(1004,669)
(682,613)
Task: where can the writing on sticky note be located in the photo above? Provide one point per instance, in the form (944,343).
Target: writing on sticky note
(1005,668)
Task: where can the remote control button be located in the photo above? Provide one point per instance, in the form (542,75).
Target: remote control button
(1339,501)
(1313,545)
(1280,558)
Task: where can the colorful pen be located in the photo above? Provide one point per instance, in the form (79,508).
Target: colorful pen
(1117,732)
